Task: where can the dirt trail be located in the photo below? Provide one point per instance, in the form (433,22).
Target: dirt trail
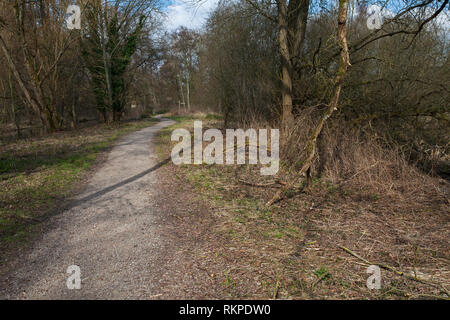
(109,231)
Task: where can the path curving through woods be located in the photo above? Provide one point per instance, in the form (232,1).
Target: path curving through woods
(108,230)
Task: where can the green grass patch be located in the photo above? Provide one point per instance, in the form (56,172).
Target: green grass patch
(213,116)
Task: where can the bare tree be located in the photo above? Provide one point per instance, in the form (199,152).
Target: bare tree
(35,36)
(291,19)
(344,64)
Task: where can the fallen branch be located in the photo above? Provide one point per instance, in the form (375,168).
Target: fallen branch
(415,296)
(399,273)
(277,288)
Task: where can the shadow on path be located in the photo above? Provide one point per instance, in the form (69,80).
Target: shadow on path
(117,185)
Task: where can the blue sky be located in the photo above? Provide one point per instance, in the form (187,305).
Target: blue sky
(187,13)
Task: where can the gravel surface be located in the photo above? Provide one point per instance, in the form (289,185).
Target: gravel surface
(110,230)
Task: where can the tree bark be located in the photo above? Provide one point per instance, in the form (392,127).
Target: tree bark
(180,83)
(106,61)
(14,115)
(188,92)
(287,118)
(297,26)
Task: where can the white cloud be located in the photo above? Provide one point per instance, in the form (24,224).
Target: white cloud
(188,13)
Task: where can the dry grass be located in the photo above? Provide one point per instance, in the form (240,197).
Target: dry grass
(367,200)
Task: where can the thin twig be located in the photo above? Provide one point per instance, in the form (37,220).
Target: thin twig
(359,172)
(323,276)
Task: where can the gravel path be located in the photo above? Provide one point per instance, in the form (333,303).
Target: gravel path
(110,231)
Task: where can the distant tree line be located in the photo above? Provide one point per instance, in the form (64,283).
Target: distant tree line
(53,74)
(276,62)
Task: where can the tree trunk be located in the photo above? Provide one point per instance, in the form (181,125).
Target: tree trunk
(106,57)
(188,93)
(117,115)
(73,113)
(15,117)
(180,83)
(344,64)
(297,27)
(287,119)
